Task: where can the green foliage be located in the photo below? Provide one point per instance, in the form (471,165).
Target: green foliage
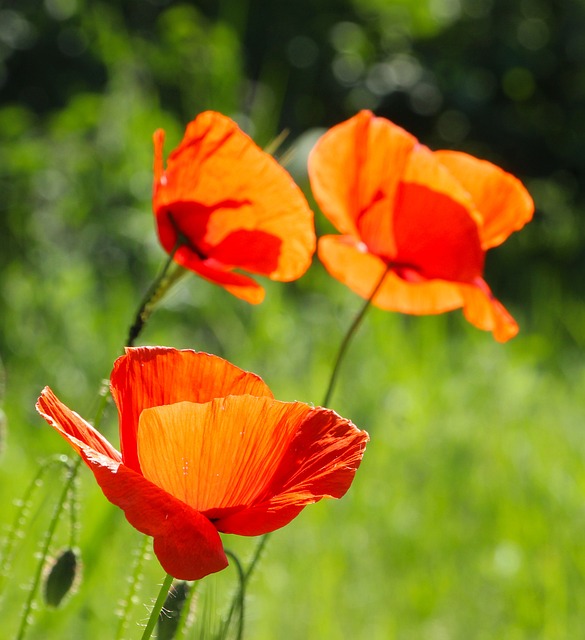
(465,520)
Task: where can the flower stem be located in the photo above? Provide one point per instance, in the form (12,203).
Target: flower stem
(348,336)
(23,512)
(239,598)
(157,289)
(26,613)
(135,581)
(240,595)
(158,605)
(68,492)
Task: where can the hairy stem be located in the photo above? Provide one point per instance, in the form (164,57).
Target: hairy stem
(157,607)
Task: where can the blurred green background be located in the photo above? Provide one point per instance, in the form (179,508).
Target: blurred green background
(466,519)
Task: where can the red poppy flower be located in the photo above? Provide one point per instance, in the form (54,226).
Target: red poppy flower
(231,206)
(206,448)
(426,218)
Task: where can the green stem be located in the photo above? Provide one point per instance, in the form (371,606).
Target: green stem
(23,508)
(73,506)
(134,584)
(26,613)
(155,292)
(348,336)
(239,597)
(259,549)
(158,605)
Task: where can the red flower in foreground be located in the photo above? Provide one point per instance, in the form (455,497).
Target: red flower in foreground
(206,448)
(231,206)
(426,217)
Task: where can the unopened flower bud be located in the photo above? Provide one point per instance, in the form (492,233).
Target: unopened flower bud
(60,577)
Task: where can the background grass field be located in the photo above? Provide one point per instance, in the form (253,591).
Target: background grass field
(466,518)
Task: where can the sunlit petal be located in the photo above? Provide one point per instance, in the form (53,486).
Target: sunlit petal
(72,427)
(232,202)
(320,461)
(502,201)
(354,171)
(185,542)
(154,376)
(220,454)
(361,271)
(485,312)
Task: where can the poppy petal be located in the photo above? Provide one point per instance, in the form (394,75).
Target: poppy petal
(72,427)
(237,284)
(348,261)
(485,312)
(249,464)
(319,462)
(153,376)
(219,176)
(501,199)
(159,140)
(354,171)
(220,454)
(434,225)
(186,543)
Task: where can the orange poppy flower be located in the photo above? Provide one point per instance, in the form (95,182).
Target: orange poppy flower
(424,218)
(230,206)
(205,448)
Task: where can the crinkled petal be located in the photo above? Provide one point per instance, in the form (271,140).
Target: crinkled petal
(354,171)
(348,262)
(72,427)
(186,543)
(218,182)
(248,460)
(485,312)
(154,376)
(220,454)
(503,202)
(319,462)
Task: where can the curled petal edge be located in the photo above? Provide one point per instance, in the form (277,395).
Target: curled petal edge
(186,543)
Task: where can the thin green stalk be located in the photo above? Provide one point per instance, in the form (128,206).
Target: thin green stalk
(348,336)
(239,599)
(73,506)
(158,605)
(259,549)
(68,492)
(155,292)
(21,514)
(26,613)
(133,588)
(240,595)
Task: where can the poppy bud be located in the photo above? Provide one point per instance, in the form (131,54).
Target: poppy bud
(168,622)
(60,577)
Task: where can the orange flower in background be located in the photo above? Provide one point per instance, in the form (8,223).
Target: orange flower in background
(205,448)
(424,218)
(230,206)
